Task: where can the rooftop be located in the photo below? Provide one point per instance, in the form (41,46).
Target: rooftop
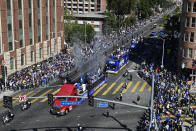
(90,15)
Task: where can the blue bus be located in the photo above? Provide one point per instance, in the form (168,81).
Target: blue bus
(117,61)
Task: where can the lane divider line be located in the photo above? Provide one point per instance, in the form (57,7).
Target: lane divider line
(143,86)
(128,86)
(104,85)
(119,86)
(55,92)
(149,88)
(109,88)
(34,100)
(135,87)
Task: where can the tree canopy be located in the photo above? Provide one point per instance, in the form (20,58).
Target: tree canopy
(75,32)
(120,8)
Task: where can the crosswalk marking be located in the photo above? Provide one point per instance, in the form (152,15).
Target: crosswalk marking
(109,88)
(135,87)
(23,94)
(34,100)
(128,86)
(149,88)
(119,86)
(94,94)
(143,86)
(45,99)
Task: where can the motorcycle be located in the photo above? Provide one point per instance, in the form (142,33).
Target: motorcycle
(8,117)
(25,105)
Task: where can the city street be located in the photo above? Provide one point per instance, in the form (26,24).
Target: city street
(91,118)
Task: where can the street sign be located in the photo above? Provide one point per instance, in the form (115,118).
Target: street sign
(70,102)
(102,104)
(22,98)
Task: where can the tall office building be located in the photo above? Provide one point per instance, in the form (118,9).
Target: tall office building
(187,49)
(84,6)
(30,31)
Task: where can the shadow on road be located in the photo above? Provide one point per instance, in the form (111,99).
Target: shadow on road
(85,128)
(115,119)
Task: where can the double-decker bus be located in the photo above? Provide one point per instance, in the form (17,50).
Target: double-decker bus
(117,61)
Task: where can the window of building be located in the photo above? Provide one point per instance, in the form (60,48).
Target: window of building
(184,52)
(193,22)
(12,63)
(54,18)
(192,37)
(186,36)
(47,25)
(39,20)
(22,59)
(86,5)
(0,35)
(189,7)
(30,22)
(92,0)
(92,10)
(9,23)
(190,51)
(40,53)
(195,54)
(92,5)
(48,50)
(32,56)
(194,7)
(187,22)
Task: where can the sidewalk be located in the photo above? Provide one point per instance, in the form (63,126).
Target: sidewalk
(7,93)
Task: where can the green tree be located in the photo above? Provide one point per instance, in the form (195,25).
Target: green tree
(110,22)
(129,21)
(120,8)
(173,25)
(75,32)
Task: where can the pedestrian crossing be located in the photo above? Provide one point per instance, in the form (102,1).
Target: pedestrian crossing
(113,88)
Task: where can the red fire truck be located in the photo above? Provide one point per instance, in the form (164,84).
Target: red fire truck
(66,90)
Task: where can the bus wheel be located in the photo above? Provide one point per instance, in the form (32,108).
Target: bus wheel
(66,111)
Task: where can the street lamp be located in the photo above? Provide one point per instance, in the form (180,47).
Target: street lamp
(162,35)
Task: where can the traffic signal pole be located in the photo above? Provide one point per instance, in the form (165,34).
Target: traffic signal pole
(98,99)
(5,75)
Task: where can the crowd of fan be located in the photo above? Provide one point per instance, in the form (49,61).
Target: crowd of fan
(172,99)
(41,73)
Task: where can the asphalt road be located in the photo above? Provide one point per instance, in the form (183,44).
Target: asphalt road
(91,118)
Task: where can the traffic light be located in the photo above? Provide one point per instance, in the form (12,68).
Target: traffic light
(50,99)
(91,100)
(7,101)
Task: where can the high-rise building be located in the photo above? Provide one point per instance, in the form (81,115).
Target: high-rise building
(84,6)
(187,49)
(30,31)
